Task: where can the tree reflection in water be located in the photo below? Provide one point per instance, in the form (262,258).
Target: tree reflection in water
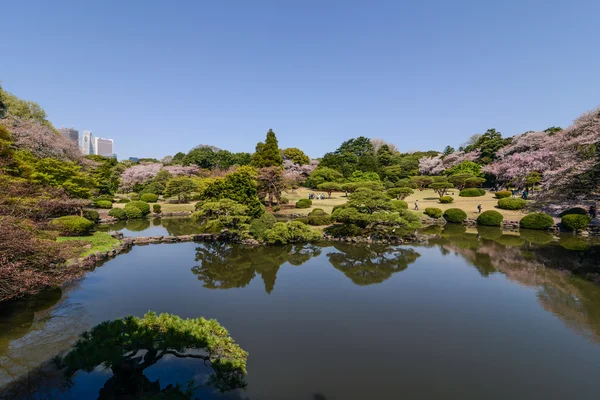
(367,265)
(227,265)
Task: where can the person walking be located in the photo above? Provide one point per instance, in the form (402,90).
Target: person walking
(479,208)
(416,204)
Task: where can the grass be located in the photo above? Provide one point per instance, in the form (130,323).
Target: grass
(99,241)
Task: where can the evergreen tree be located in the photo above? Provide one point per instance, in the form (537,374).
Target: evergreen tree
(267,154)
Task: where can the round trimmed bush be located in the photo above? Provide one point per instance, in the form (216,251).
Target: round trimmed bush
(133,212)
(318,217)
(284,200)
(536,221)
(455,215)
(141,205)
(574,210)
(472,192)
(575,222)
(509,203)
(125,200)
(156,208)
(118,213)
(149,197)
(433,212)
(91,215)
(446,199)
(303,220)
(399,205)
(304,203)
(490,218)
(503,194)
(134,196)
(72,225)
(103,204)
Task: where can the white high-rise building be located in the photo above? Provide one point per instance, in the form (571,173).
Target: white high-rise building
(87,143)
(103,147)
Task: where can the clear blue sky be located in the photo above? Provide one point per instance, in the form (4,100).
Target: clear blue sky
(162,77)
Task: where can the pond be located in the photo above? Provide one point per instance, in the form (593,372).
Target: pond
(473,314)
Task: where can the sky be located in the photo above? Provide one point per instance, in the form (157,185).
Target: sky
(162,77)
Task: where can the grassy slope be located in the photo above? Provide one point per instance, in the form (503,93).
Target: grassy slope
(99,241)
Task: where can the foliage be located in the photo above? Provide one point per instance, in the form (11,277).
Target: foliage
(304,203)
(360,176)
(421,182)
(64,174)
(318,217)
(488,145)
(490,218)
(400,193)
(103,204)
(133,212)
(322,175)
(267,154)
(291,232)
(141,205)
(352,187)
(120,213)
(575,221)
(536,221)
(303,220)
(222,214)
(472,192)
(465,180)
(295,155)
(441,188)
(509,203)
(180,187)
(91,215)
(330,187)
(398,205)
(124,200)
(72,225)
(455,215)
(201,156)
(465,167)
(259,226)
(130,345)
(343,230)
(437,164)
(156,209)
(446,199)
(433,212)
(407,183)
(503,194)
(149,198)
(134,196)
(239,186)
(573,210)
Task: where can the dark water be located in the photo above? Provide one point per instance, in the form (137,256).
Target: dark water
(477,314)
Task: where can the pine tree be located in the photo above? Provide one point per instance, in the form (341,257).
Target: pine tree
(267,154)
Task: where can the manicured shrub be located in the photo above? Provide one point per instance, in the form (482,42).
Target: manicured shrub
(399,205)
(133,212)
(149,198)
(91,215)
(318,217)
(105,197)
(472,192)
(103,204)
(141,205)
(446,199)
(156,208)
(122,201)
(509,203)
(455,215)
(284,200)
(134,196)
(72,225)
(304,203)
(343,230)
(574,210)
(503,193)
(259,226)
(118,213)
(433,212)
(490,218)
(536,221)
(291,232)
(575,221)
(303,220)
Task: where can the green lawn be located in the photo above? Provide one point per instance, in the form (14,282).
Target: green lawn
(302,193)
(99,241)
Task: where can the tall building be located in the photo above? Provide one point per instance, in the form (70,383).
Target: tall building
(70,133)
(86,145)
(103,147)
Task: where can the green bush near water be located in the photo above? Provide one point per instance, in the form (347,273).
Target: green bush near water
(455,215)
(433,212)
(318,217)
(536,221)
(118,213)
(72,225)
(575,222)
(260,225)
(149,198)
(103,204)
(574,210)
(91,215)
(490,218)
(156,209)
(141,205)
(133,212)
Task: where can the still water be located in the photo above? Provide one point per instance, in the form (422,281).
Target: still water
(472,315)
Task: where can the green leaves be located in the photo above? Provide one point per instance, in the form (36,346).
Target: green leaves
(267,154)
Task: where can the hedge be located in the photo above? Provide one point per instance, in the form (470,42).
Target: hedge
(141,205)
(446,199)
(133,212)
(72,225)
(149,197)
(575,222)
(103,204)
(503,193)
(472,192)
(318,217)
(156,208)
(536,221)
(118,213)
(509,203)
(574,210)
(304,203)
(433,212)
(91,215)
(455,215)
(490,218)
(399,205)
